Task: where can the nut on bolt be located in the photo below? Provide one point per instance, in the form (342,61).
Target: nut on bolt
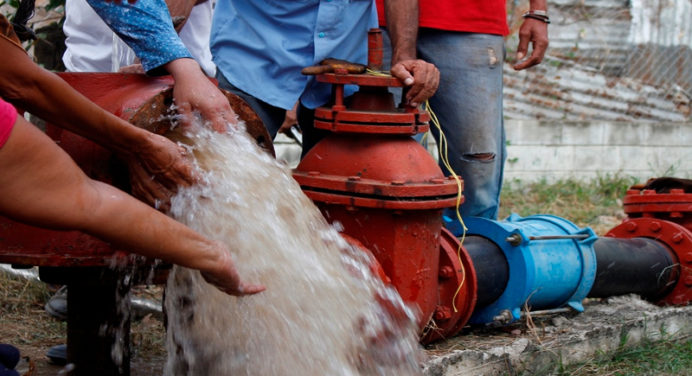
(446,272)
(630,226)
(504,317)
(443,313)
(655,226)
(514,239)
(677,238)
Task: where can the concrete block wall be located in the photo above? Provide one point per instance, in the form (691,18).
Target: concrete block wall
(554,150)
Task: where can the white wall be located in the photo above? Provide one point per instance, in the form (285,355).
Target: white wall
(554,149)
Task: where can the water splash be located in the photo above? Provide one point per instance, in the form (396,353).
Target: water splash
(323,313)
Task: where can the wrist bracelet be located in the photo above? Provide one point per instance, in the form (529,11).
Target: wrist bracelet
(539,12)
(536,17)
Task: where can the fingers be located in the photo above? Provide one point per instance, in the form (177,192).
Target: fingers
(134,69)
(532,32)
(158,170)
(290,120)
(247,289)
(421,77)
(194,93)
(226,278)
(149,190)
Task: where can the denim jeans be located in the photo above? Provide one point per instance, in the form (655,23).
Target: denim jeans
(468,104)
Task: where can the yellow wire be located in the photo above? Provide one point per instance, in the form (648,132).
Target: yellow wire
(442,151)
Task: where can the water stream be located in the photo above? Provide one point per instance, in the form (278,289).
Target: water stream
(323,312)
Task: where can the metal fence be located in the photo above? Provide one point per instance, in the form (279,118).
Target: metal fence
(627,60)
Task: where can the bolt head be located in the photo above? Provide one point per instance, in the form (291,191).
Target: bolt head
(677,238)
(446,272)
(630,226)
(655,226)
(442,313)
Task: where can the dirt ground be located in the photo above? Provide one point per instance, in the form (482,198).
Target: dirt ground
(25,324)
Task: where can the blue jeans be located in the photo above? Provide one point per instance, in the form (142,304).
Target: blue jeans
(468,104)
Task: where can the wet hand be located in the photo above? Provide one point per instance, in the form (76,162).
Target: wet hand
(534,32)
(158,169)
(225,277)
(194,92)
(422,79)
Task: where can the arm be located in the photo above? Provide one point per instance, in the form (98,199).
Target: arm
(535,32)
(147,28)
(422,77)
(42,186)
(44,94)
(180,11)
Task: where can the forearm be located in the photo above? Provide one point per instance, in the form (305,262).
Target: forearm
(538,5)
(402,24)
(146,27)
(47,96)
(136,227)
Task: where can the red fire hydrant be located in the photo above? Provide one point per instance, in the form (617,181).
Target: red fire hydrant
(386,191)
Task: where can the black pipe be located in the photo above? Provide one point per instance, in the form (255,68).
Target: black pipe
(640,266)
(492,269)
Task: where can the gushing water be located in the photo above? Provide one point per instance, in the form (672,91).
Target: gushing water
(323,312)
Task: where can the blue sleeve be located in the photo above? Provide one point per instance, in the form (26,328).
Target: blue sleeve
(146,27)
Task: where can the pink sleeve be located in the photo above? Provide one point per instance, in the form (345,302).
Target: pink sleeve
(8,115)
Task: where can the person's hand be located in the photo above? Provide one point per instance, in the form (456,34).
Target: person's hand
(290,120)
(132,69)
(225,277)
(534,32)
(157,169)
(421,77)
(193,92)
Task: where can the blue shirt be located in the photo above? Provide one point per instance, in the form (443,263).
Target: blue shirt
(260,46)
(146,27)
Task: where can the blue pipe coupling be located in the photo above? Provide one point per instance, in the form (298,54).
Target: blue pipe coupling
(552,264)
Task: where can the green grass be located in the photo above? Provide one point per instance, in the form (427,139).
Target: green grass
(650,358)
(586,203)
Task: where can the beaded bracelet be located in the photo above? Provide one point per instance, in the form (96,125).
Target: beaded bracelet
(539,15)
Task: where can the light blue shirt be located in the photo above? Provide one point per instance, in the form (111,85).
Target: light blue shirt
(260,46)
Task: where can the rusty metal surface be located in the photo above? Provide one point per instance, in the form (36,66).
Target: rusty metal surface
(674,205)
(613,60)
(575,92)
(456,273)
(405,243)
(151,115)
(434,187)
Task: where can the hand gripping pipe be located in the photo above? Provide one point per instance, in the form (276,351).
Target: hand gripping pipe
(540,262)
